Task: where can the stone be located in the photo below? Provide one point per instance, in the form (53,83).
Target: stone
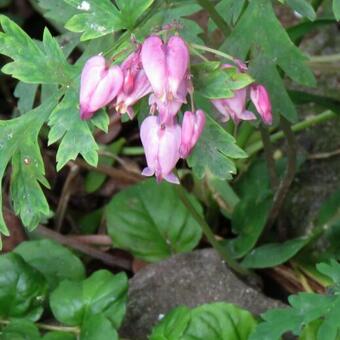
(189,279)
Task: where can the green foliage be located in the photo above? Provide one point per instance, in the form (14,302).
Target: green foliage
(75,303)
(55,262)
(215,157)
(269,47)
(321,311)
(149,227)
(273,254)
(211,321)
(75,134)
(213,82)
(23,289)
(100,17)
(303,7)
(33,62)
(336,9)
(20,329)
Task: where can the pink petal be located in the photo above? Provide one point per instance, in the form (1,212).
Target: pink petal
(177,61)
(154,64)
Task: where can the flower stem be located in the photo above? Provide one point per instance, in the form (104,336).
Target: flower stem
(221,250)
(330,58)
(322,117)
(212,50)
(48,327)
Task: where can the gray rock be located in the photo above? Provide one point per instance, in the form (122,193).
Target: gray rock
(187,279)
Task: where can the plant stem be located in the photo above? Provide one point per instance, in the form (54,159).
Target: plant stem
(133,151)
(269,154)
(48,327)
(212,50)
(219,21)
(327,115)
(330,58)
(222,250)
(288,178)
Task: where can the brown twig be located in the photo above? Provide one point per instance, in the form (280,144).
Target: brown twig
(65,196)
(122,176)
(110,260)
(324,155)
(97,240)
(269,154)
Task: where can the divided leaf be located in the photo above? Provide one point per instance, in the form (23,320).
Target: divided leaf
(214,152)
(33,62)
(75,134)
(336,9)
(269,42)
(303,7)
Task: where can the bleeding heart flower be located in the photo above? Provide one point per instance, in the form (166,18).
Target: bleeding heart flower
(166,66)
(192,127)
(260,98)
(99,85)
(136,85)
(161,146)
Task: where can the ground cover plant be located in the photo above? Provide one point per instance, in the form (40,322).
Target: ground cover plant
(133,131)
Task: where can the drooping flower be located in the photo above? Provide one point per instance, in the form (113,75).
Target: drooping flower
(161,146)
(260,98)
(192,127)
(234,107)
(99,85)
(135,86)
(166,66)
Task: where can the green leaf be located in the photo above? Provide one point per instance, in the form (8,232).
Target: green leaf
(173,325)
(21,143)
(20,329)
(273,254)
(336,9)
(98,327)
(101,120)
(54,261)
(230,10)
(213,82)
(219,321)
(210,321)
(26,95)
(100,17)
(75,133)
(331,270)
(303,7)
(130,11)
(329,211)
(272,48)
(72,303)
(59,336)
(214,151)
(33,62)
(150,221)
(57,11)
(248,221)
(306,308)
(23,289)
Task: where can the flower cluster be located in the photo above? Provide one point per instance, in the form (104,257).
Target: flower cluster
(161,70)
(235,107)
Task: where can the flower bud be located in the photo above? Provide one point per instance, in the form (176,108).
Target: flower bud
(161,146)
(192,127)
(260,98)
(99,85)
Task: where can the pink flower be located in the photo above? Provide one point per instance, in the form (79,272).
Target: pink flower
(234,107)
(261,100)
(168,110)
(161,145)
(192,127)
(99,85)
(136,85)
(166,66)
